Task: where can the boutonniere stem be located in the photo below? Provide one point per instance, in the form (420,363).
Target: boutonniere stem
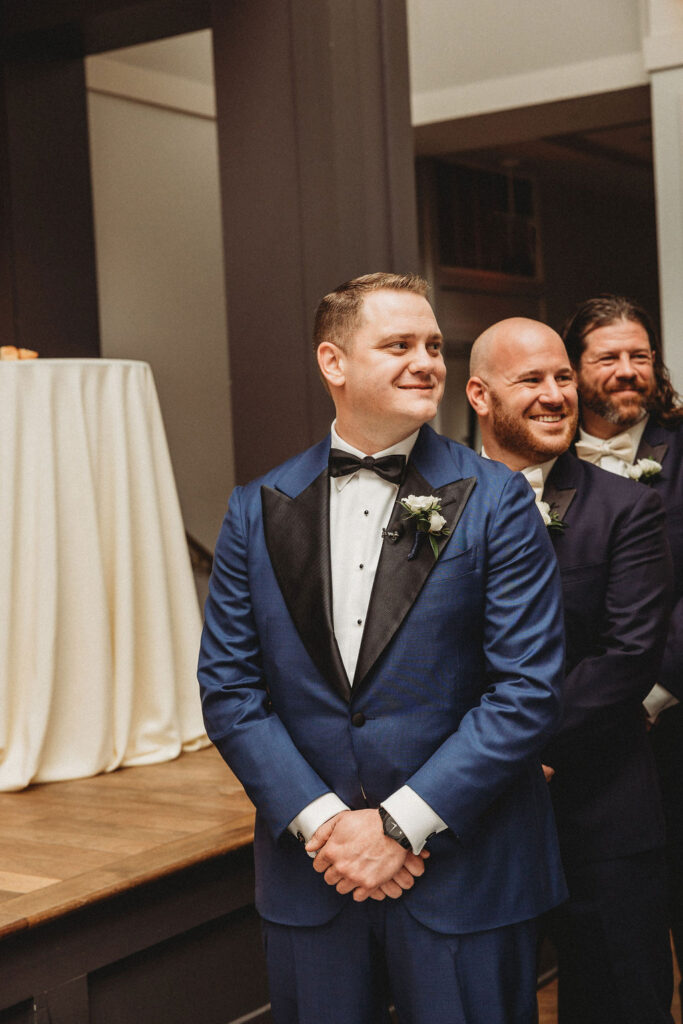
(425,511)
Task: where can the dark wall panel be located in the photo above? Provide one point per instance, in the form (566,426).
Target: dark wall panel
(49,280)
(31,25)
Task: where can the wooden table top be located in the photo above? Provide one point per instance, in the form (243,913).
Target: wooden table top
(68,844)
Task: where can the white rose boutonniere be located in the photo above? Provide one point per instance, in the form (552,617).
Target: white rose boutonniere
(436,522)
(415,504)
(550,516)
(426,511)
(644,470)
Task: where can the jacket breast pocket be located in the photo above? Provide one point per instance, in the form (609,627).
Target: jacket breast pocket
(450,567)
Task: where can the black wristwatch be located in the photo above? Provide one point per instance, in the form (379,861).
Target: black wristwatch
(393,829)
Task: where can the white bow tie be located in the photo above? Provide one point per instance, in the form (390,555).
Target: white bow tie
(534,475)
(621,447)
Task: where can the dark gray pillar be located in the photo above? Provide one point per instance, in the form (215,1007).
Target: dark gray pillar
(316,165)
(47,250)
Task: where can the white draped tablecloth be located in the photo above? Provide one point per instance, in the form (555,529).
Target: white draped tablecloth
(99,618)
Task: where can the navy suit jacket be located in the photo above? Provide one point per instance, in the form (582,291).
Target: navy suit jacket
(616,580)
(666,446)
(457,687)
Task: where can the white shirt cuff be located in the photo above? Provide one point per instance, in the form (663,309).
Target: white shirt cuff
(658,700)
(316,814)
(414,815)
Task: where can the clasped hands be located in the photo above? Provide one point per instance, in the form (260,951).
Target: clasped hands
(355,856)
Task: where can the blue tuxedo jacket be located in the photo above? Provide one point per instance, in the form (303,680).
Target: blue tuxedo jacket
(666,446)
(616,579)
(457,687)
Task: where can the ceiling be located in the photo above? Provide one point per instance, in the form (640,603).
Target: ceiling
(603,142)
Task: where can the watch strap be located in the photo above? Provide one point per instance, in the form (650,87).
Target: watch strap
(393,829)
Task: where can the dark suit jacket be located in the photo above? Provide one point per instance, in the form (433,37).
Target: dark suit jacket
(666,446)
(616,581)
(457,687)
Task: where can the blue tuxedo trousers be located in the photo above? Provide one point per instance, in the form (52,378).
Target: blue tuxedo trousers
(372,954)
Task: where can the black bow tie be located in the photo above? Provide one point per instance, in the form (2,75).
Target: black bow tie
(389,467)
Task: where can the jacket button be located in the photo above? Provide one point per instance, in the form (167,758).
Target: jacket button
(358,719)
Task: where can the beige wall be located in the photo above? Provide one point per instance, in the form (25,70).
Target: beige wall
(160,255)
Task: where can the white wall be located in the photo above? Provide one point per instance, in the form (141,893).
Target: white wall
(663,48)
(473,58)
(160,252)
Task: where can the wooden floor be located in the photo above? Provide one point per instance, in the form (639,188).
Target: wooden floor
(68,844)
(547,1003)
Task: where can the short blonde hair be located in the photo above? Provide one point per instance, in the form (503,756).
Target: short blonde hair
(339,313)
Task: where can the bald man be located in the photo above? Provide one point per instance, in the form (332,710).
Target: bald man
(608,535)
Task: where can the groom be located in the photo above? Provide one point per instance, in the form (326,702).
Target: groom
(382,681)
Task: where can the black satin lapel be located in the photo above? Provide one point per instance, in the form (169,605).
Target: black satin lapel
(559,498)
(297,538)
(398,580)
(651,451)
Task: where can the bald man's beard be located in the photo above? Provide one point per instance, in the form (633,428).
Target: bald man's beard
(515,434)
(619,410)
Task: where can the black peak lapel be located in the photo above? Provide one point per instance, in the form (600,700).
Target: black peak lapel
(398,580)
(297,538)
(651,451)
(557,491)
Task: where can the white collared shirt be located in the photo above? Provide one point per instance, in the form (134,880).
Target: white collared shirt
(659,698)
(361,505)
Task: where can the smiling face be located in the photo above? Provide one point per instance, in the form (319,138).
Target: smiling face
(524,395)
(616,377)
(390,378)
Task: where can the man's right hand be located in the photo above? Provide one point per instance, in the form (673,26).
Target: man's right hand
(412,868)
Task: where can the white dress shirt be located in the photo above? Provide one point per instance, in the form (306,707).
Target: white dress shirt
(659,698)
(361,505)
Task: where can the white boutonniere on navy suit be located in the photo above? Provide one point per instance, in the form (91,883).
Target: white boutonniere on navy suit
(550,516)
(425,510)
(644,470)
